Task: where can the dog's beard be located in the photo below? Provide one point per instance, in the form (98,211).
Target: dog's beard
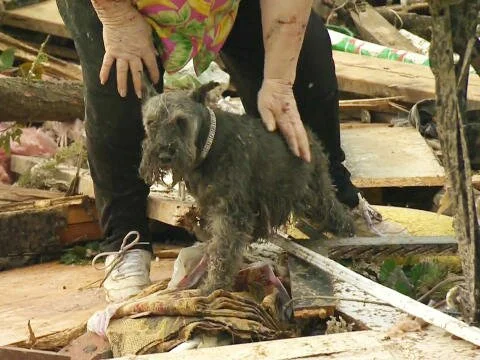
(152,170)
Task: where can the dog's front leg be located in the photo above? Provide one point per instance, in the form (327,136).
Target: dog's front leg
(230,229)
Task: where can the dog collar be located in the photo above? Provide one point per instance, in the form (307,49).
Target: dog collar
(211,135)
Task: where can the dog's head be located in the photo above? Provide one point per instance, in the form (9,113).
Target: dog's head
(172,122)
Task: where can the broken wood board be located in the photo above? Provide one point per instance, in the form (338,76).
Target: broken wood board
(364,312)
(374,28)
(11,194)
(359,345)
(375,248)
(14,353)
(420,25)
(383,293)
(375,104)
(383,156)
(162,206)
(41,228)
(53,67)
(42,17)
(54,297)
(384,78)
(307,282)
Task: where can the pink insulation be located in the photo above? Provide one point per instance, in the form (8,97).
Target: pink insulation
(33,142)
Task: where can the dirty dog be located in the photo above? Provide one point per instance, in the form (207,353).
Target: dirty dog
(245,180)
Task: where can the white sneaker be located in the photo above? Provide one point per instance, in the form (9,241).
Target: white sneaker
(127,271)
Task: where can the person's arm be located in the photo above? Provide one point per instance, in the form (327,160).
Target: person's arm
(284,23)
(128,43)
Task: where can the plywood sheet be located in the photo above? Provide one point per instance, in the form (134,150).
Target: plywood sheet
(53,297)
(378,77)
(43,17)
(382,156)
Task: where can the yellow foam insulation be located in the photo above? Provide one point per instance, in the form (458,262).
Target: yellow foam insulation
(418,222)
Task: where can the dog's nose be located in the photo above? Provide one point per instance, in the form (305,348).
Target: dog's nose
(165,158)
(171,150)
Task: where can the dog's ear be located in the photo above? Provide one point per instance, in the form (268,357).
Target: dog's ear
(148,90)
(200,93)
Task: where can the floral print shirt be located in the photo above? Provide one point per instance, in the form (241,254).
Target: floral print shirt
(189,29)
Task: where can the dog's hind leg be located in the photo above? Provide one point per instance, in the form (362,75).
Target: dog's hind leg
(324,203)
(230,232)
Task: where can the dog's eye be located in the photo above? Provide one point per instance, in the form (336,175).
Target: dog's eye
(181,122)
(149,122)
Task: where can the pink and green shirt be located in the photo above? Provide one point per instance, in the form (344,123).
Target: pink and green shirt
(189,29)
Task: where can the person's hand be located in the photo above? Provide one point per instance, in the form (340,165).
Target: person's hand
(128,43)
(278,109)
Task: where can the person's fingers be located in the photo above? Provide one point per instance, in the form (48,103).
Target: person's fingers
(151,64)
(268,118)
(303,143)
(288,132)
(136,68)
(122,74)
(107,63)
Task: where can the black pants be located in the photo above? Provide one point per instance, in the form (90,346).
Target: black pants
(114,127)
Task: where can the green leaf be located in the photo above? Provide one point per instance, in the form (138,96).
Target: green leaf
(386,270)
(8,135)
(7,59)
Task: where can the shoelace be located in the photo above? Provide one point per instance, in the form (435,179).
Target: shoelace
(118,254)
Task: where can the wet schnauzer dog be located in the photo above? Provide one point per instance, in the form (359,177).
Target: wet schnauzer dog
(245,180)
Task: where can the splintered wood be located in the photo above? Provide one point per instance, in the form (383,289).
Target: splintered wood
(383,293)
(382,78)
(358,345)
(375,28)
(43,17)
(382,156)
(54,67)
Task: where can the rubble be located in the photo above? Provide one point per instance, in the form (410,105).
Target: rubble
(392,145)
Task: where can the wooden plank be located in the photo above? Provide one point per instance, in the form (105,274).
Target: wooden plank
(13,353)
(373,248)
(375,104)
(383,293)
(42,17)
(391,240)
(166,207)
(307,281)
(54,297)
(75,233)
(54,67)
(297,348)
(374,28)
(390,157)
(383,78)
(367,316)
(9,193)
(360,345)
(41,228)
